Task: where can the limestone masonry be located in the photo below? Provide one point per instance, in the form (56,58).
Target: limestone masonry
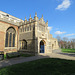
(25,36)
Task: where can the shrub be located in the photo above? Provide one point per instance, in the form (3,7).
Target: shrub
(11,55)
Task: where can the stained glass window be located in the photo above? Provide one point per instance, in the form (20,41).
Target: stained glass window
(10,37)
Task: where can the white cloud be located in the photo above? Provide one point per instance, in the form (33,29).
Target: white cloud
(70,34)
(50,28)
(59,32)
(64,5)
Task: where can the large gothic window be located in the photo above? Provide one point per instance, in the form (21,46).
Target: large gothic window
(10,37)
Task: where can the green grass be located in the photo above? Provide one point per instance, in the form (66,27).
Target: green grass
(68,50)
(4,56)
(47,66)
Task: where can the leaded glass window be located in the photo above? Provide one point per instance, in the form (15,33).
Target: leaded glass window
(6,43)
(10,37)
(30,27)
(10,40)
(13,40)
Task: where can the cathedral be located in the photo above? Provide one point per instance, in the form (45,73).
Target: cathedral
(30,36)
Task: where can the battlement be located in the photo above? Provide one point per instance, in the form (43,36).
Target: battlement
(16,21)
(36,19)
(10,19)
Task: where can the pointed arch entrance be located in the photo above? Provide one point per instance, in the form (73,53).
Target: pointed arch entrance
(23,44)
(42,46)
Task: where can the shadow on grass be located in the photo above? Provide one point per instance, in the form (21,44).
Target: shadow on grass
(69,54)
(45,66)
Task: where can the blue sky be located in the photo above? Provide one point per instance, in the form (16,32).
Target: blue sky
(59,13)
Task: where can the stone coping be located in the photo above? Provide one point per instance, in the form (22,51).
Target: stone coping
(10,48)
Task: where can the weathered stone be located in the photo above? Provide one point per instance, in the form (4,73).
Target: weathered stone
(28,35)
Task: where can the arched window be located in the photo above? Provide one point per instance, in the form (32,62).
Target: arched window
(23,44)
(30,27)
(25,28)
(20,29)
(10,37)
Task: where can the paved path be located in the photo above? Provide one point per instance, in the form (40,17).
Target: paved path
(12,61)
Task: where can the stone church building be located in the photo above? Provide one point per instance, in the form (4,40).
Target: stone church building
(27,36)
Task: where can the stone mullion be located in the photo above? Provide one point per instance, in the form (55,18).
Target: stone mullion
(8,38)
(21,45)
(30,28)
(12,40)
(24,28)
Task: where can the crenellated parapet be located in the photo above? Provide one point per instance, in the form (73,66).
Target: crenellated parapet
(31,24)
(10,19)
(36,19)
(19,22)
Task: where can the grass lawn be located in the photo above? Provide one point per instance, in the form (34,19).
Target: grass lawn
(68,50)
(4,56)
(46,66)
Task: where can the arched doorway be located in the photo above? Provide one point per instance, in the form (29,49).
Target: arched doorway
(42,47)
(23,44)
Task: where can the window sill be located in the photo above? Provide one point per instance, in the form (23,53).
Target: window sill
(10,48)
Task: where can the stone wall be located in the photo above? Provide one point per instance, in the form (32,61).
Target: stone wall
(2,41)
(33,31)
(26,36)
(3,27)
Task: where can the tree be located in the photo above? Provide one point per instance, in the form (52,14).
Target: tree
(58,38)
(65,39)
(73,43)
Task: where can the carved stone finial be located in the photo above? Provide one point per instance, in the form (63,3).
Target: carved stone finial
(25,18)
(42,16)
(30,16)
(36,14)
(35,17)
(47,21)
